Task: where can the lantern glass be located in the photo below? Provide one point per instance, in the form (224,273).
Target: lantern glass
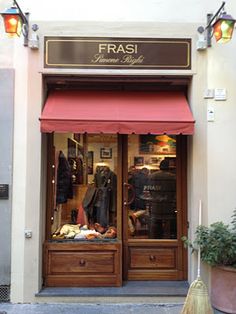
(13,25)
(223,30)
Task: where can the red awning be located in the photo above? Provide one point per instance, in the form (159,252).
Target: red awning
(117,112)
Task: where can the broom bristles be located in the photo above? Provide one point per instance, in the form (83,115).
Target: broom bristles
(197,300)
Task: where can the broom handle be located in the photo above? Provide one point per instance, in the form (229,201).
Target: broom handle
(199,252)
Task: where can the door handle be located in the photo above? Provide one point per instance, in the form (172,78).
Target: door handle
(129,188)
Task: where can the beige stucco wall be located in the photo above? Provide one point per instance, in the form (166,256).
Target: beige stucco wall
(211,173)
(221,149)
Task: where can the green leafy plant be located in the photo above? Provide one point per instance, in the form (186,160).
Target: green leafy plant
(217,243)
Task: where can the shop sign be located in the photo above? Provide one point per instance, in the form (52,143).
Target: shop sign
(117,53)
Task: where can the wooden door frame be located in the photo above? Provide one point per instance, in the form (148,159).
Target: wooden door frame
(50,186)
(124,209)
(182,182)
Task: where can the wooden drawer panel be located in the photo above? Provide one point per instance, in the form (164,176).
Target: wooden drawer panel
(82,264)
(152,258)
(62,262)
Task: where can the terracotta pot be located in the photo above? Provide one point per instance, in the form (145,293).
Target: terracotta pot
(223,289)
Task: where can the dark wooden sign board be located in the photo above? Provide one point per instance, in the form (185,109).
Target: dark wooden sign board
(117,53)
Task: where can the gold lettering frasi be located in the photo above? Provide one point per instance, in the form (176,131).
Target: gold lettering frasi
(132,60)
(118,48)
(99,58)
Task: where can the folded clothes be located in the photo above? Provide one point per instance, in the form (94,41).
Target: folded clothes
(69,231)
(84,234)
(67,228)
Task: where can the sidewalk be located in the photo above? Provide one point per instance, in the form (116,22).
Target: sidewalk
(65,308)
(83,308)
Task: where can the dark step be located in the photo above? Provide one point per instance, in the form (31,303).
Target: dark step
(130,288)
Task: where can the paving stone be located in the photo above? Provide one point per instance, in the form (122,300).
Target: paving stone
(90,308)
(99,308)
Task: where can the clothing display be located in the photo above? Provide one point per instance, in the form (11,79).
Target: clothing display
(81,216)
(76,166)
(79,232)
(100,198)
(104,177)
(88,202)
(64,187)
(84,199)
(161,199)
(153,210)
(138,180)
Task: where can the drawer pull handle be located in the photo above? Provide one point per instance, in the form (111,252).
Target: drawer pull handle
(82,262)
(152,258)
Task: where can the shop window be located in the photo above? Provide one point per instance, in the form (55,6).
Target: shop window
(152,212)
(84,187)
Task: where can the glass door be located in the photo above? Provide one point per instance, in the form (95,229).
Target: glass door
(154,207)
(152,178)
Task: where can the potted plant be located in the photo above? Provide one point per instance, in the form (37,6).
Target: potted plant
(217,244)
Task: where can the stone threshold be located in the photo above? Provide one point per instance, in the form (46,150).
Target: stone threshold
(129,289)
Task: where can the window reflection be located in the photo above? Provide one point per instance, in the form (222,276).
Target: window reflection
(152,178)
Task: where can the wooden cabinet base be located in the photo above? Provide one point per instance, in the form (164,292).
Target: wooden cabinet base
(153,261)
(82,264)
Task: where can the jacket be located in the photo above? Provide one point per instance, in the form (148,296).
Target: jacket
(64,188)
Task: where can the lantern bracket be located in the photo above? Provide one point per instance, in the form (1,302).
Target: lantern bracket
(210,20)
(25,22)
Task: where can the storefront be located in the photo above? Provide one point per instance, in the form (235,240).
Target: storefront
(114,90)
(116,156)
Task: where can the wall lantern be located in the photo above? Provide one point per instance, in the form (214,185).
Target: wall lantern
(220,25)
(223,28)
(15,22)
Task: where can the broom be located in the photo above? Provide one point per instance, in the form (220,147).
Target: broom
(197,300)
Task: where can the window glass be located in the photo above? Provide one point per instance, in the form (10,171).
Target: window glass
(152,186)
(84,187)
